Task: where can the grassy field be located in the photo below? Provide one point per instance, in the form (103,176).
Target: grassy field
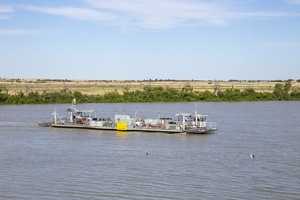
(13,86)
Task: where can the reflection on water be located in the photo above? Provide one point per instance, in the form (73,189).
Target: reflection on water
(121,133)
(49,163)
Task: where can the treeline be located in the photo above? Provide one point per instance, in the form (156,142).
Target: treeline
(154,94)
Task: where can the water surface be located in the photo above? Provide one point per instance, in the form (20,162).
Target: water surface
(50,163)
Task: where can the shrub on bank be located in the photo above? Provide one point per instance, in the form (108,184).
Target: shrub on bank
(153,94)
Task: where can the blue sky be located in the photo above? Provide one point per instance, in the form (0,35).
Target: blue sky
(148,39)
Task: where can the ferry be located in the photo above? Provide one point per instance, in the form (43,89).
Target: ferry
(86,119)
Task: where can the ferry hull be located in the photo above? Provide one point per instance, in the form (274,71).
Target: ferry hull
(79,126)
(200,130)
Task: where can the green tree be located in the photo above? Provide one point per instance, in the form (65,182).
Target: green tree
(230,95)
(3,97)
(113,97)
(281,92)
(295,93)
(187,93)
(206,96)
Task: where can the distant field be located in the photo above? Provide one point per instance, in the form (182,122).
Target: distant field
(13,86)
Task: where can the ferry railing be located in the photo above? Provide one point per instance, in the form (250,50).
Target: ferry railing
(211,125)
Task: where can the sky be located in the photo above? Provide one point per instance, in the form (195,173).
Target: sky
(150,39)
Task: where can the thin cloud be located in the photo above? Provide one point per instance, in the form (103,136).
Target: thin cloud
(293,1)
(176,13)
(15,32)
(73,12)
(4,17)
(280,45)
(4,10)
(163,14)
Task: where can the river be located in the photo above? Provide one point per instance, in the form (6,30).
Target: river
(50,163)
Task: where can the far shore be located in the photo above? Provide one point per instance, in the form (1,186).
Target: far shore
(13,86)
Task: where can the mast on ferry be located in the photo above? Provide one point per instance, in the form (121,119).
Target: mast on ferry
(72,109)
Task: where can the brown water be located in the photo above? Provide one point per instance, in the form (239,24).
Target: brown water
(49,163)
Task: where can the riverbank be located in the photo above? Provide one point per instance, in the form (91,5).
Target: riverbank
(142,92)
(100,87)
